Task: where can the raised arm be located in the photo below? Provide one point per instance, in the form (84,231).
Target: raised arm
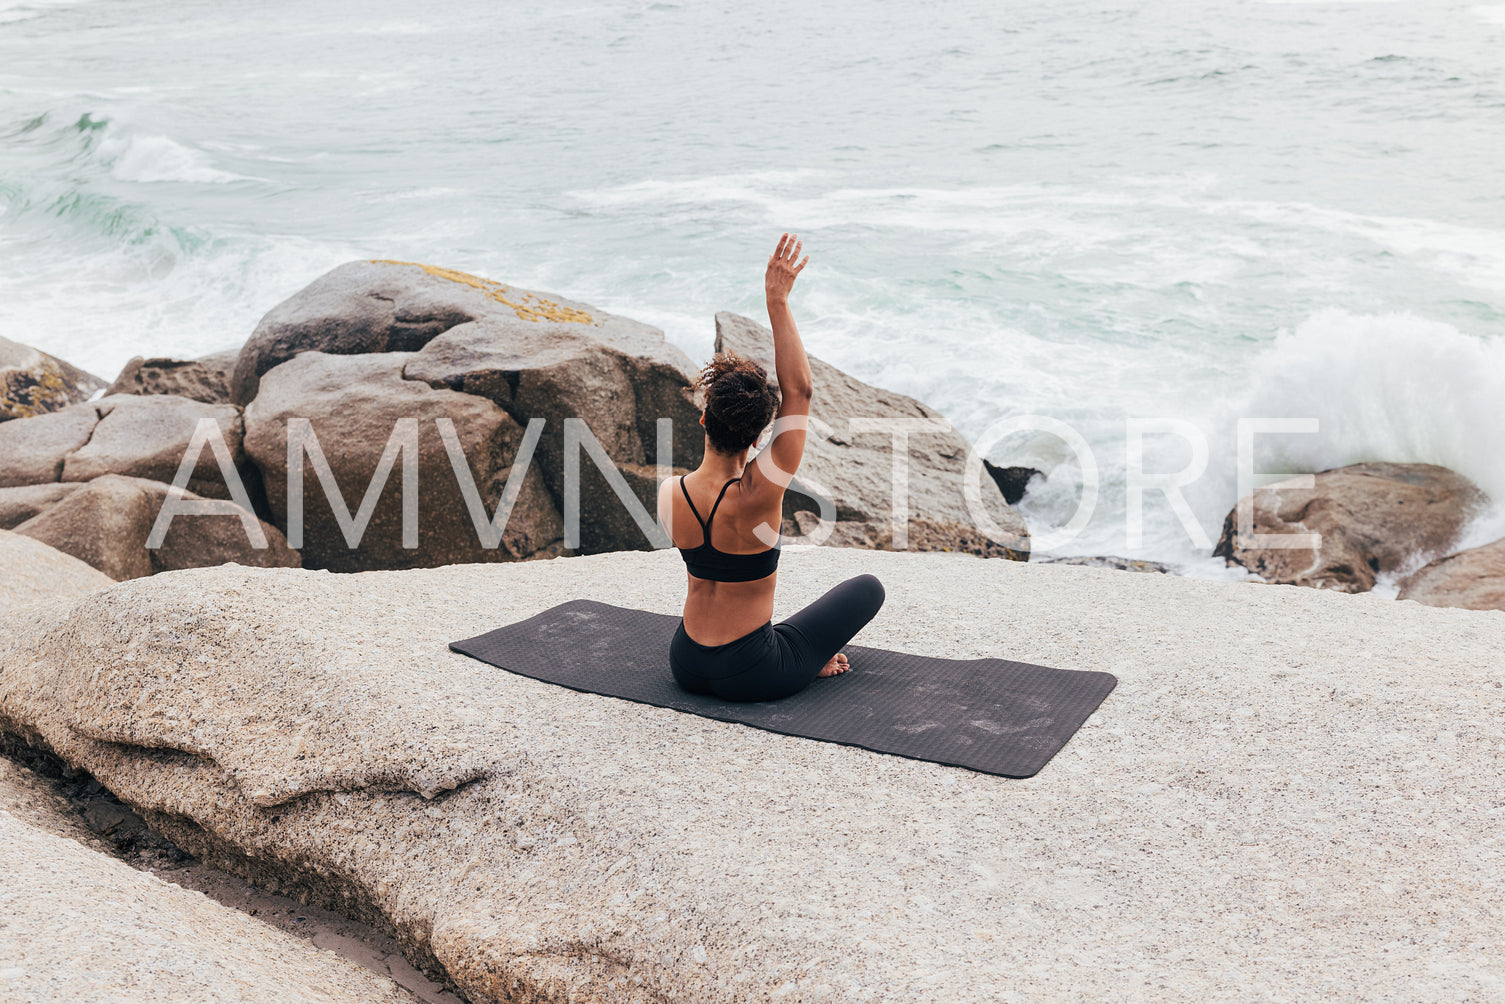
(778,461)
(789,360)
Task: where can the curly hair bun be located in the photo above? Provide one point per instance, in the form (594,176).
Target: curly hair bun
(738,401)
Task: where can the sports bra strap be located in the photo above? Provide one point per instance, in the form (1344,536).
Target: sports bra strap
(717,506)
(692,506)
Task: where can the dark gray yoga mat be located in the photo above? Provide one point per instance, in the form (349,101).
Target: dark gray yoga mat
(989,715)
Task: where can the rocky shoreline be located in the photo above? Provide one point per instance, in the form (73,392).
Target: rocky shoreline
(473,386)
(1275,813)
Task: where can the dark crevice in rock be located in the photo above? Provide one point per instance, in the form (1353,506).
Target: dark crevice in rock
(114,821)
(256,490)
(99,416)
(157,841)
(411,332)
(328,889)
(168,759)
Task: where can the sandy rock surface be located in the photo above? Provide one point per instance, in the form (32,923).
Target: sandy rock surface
(1373,518)
(32,572)
(78,925)
(1292,794)
(855,467)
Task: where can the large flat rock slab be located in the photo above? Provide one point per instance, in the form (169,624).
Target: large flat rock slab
(1292,794)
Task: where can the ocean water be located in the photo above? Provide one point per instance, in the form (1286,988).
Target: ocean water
(1166,215)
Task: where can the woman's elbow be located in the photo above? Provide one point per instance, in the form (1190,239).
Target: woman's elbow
(798,390)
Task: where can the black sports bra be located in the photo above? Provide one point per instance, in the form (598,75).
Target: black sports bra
(705,562)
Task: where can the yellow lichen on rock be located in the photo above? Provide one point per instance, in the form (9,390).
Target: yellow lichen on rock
(538,310)
(27,395)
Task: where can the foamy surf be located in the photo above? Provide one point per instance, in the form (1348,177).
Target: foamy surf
(148,158)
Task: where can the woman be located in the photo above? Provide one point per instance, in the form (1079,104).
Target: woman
(727,644)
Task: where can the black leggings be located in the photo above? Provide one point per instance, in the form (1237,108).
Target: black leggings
(776,660)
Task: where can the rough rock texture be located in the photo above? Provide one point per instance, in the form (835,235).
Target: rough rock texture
(108,521)
(357,308)
(32,572)
(1373,518)
(619,376)
(376,306)
(1474,579)
(1299,814)
(531,355)
(855,469)
(39,789)
(353,404)
(143,437)
(147,437)
(17,505)
(206,379)
(33,383)
(77,925)
(32,450)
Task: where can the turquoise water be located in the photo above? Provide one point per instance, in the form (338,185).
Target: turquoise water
(1090,212)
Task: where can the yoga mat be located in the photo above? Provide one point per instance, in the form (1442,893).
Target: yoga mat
(988,715)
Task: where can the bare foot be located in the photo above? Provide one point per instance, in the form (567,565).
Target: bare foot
(836,666)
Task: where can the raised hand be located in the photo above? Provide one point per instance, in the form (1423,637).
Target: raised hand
(779,279)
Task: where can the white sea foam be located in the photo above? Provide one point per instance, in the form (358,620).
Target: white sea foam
(1494,13)
(147,158)
(1214,236)
(1387,387)
(1470,253)
(1391,387)
(98,309)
